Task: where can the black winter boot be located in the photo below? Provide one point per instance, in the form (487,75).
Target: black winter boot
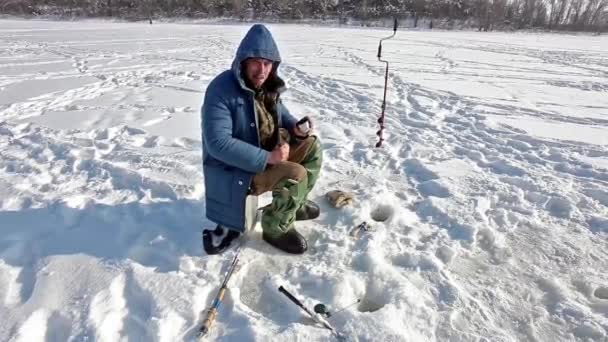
(291,242)
(308,211)
(226,236)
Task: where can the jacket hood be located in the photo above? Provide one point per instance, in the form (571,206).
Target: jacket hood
(258,42)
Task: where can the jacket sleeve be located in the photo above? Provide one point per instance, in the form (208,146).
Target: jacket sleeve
(287,120)
(216,121)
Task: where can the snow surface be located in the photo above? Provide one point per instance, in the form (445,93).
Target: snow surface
(493,183)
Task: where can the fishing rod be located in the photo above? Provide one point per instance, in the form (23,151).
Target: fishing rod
(381,118)
(316,318)
(213,311)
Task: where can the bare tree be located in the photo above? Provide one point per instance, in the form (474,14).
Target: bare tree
(559,16)
(601,11)
(576,7)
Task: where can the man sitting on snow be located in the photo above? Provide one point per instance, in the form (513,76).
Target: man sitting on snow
(252,144)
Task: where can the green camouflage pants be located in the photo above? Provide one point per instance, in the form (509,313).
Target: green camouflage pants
(290,182)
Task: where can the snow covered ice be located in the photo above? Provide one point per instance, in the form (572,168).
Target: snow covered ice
(492,183)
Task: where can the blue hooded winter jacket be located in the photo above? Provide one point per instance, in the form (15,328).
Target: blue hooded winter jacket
(231,144)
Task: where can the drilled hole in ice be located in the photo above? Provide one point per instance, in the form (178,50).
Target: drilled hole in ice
(601,293)
(382,213)
(368,305)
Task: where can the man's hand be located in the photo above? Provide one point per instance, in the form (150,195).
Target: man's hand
(279,154)
(303,128)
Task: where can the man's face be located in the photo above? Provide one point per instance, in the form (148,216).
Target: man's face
(257,70)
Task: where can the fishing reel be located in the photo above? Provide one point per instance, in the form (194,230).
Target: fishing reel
(362,227)
(321,309)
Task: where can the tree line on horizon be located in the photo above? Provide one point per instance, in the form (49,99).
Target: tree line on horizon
(573,15)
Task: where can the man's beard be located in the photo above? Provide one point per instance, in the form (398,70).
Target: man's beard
(259,81)
(251,85)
